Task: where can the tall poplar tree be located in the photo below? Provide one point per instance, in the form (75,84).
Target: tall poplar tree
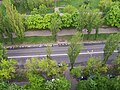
(13,20)
(74,48)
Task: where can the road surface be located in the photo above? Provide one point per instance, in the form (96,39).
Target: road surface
(59,53)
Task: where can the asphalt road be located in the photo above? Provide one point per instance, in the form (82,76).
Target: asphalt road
(59,53)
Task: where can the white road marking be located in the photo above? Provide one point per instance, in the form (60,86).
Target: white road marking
(30,56)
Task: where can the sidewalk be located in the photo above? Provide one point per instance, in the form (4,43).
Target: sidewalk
(69,32)
(61,33)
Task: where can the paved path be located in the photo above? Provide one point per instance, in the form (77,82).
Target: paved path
(68,32)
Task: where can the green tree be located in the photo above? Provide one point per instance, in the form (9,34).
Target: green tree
(49,52)
(94,67)
(45,67)
(76,72)
(69,9)
(81,19)
(110,46)
(74,48)
(34,11)
(3,52)
(42,9)
(58,84)
(14,20)
(55,27)
(1,26)
(112,18)
(90,21)
(98,22)
(7,69)
(94,20)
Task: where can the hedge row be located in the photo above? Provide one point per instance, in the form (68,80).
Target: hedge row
(43,22)
(70,20)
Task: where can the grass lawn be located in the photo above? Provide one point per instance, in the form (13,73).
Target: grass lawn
(49,39)
(32,40)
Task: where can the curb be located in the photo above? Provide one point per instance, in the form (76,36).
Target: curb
(52,45)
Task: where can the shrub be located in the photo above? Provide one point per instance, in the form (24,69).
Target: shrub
(42,9)
(76,72)
(57,84)
(7,86)
(36,82)
(46,68)
(99,83)
(66,20)
(40,22)
(94,67)
(113,16)
(75,19)
(34,11)
(7,68)
(69,9)
(105,5)
(3,52)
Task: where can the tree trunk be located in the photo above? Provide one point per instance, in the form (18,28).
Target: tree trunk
(96,33)
(71,67)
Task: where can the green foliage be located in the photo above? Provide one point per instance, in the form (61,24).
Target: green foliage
(49,51)
(105,5)
(113,16)
(7,86)
(94,67)
(75,17)
(110,46)
(36,82)
(94,19)
(81,19)
(98,22)
(3,52)
(25,6)
(93,4)
(34,11)
(99,83)
(38,22)
(1,24)
(14,20)
(76,71)
(7,69)
(66,20)
(69,9)
(45,67)
(55,26)
(87,85)
(117,61)
(74,48)
(90,19)
(57,84)
(42,9)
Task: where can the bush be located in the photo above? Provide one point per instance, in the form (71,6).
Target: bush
(94,67)
(36,82)
(99,83)
(113,16)
(76,72)
(7,69)
(69,9)
(46,68)
(7,86)
(105,5)
(66,20)
(57,84)
(40,22)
